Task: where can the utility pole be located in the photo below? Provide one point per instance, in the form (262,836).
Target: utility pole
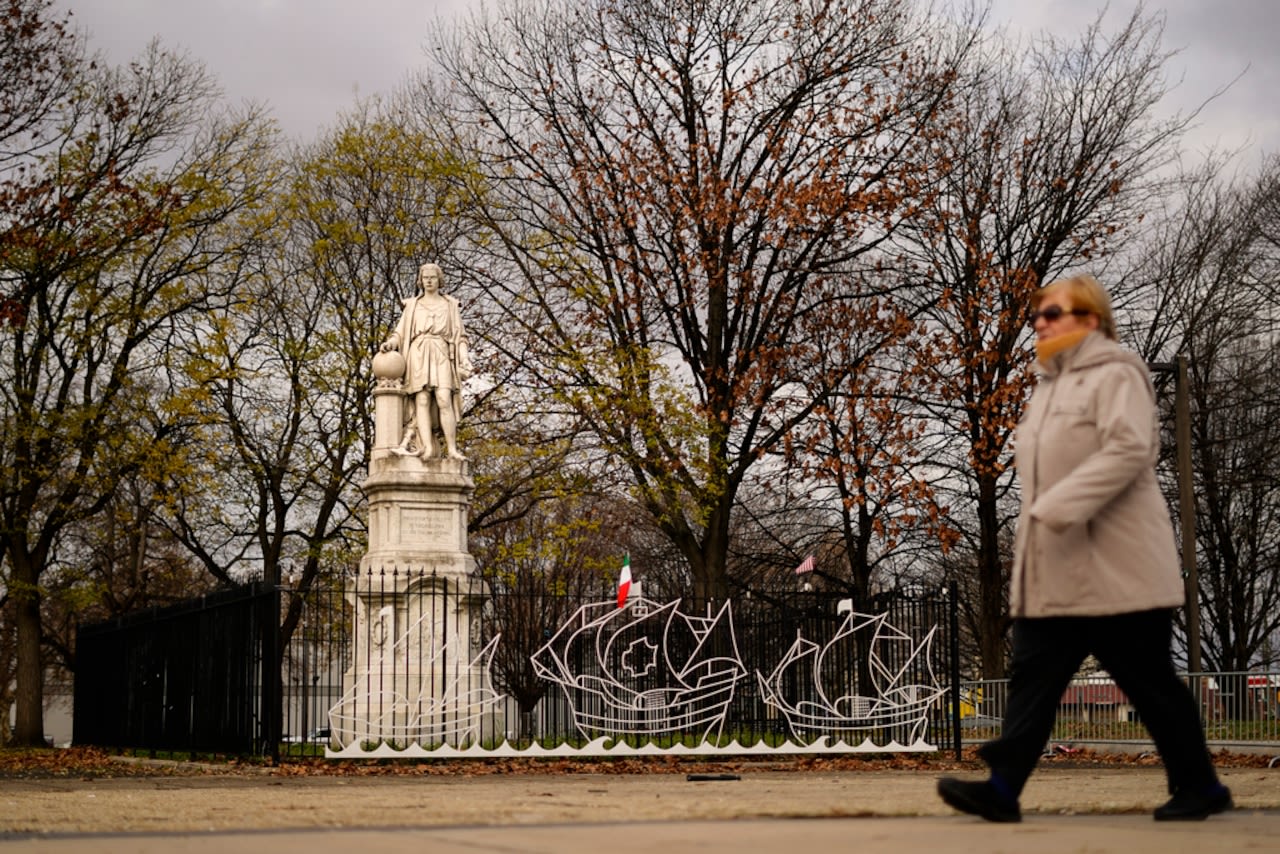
(1187,511)
(1186,499)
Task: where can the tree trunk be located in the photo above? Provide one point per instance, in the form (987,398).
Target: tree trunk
(992,618)
(715,552)
(28,728)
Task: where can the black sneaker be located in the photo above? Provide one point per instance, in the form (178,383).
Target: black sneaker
(1189,806)
(978,798)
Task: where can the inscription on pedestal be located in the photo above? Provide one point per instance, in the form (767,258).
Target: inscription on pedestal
(427,527)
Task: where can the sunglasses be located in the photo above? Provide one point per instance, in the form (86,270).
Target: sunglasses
(1054,312)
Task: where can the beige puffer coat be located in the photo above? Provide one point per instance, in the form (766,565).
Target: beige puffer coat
(1094,535)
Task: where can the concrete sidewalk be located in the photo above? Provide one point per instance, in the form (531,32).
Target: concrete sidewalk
(807,812)
(1131,834)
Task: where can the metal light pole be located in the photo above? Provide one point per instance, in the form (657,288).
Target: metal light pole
(1186,500)
(1187,511)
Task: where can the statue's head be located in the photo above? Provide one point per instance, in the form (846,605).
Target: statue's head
(430,272)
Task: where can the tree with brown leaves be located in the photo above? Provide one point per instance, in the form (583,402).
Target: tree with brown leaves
(1055,155)
(684,197)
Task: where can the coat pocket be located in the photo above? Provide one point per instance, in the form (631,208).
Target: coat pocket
(1067,567)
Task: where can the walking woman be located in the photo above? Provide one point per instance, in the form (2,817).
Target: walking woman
(1094,565)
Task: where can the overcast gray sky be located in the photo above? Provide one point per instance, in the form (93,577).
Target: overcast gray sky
(309,59)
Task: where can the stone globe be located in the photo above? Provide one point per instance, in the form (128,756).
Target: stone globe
(388,365)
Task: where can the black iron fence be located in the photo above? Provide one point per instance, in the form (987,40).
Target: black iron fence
(190,677)
(412,660)
(408,659)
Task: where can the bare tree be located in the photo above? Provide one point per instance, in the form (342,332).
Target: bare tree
(869,450)
(1209,270)
(122,560)
(40,56)
(541,567)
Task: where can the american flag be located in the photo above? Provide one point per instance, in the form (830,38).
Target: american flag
(806,565)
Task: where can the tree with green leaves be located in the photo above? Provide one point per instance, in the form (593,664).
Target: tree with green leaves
(129,185)
(282,373)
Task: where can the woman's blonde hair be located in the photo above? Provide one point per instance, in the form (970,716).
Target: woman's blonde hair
(1084,291)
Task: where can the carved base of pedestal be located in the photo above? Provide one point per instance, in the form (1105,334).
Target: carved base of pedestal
(417,676)
(453,706)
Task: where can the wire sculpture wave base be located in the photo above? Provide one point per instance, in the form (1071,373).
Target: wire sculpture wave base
(602,747)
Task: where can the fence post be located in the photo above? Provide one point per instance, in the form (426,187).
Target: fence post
(272,696)
(953,609)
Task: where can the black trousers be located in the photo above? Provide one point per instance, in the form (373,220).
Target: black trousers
(1134,648)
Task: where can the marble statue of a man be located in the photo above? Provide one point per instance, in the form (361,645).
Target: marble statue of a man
(433,343)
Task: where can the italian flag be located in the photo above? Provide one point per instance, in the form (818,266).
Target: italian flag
(624,581)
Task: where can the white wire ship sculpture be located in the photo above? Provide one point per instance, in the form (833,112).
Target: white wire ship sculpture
(621,675)
(433,704)
(652,672)
(799,688)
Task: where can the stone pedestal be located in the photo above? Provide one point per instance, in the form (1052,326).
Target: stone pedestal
(417,676)
(418,515)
